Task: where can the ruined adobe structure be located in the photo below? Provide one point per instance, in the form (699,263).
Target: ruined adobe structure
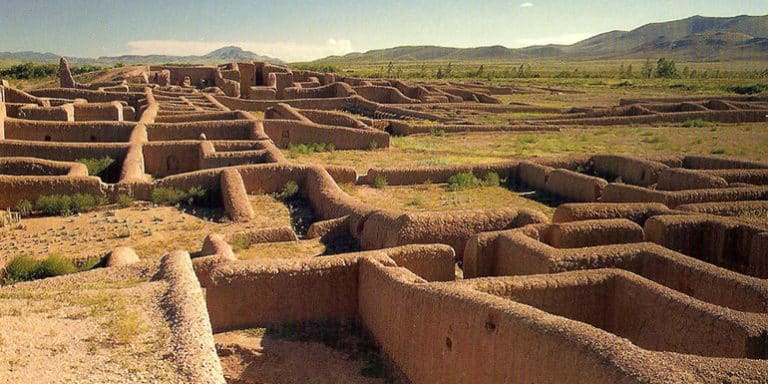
(646,274)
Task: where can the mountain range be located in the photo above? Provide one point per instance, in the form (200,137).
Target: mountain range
(221,55)
(695,38)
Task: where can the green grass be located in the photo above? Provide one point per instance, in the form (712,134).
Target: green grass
(26,268)
(290,191)
(380,182)
(173,196)
(65,205)
(97,166)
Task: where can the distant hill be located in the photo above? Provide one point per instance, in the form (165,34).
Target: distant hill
(696,38)
(221,55)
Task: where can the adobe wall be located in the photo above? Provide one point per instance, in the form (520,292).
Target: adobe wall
(285,132)
(631,169)
(629,194)
(2,118)
(636,212)
(720,162)
(718,240)
(574,186)
(30,166)
(213,130)
(184,305)
(132,98)
(112,111)
(62,151)
(263,105)
(629,306)
(17,188)
(63,112)
(679,179)
(196,74)
(747,176)
(389,229)
(438,174)
(199,116)
(171,157)
(235,197)
(97,131)
(455,336)
(311,289)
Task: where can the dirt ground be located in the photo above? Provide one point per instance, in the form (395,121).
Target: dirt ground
(101,326)
(251,357)
(437,197)
(152,231)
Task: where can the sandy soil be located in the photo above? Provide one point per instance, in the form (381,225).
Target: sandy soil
(151,231)
(102,326)
(249,358)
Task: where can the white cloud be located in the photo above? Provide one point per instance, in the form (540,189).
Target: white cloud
(284,50)
(526,5)
(567,38)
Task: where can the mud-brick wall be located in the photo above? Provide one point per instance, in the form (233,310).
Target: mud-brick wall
(246,295)
(439,335)
(196,74)
(61,151)
(213,130)
(285,132)
(2,120)
(105,132)
(17,188)
(169,158)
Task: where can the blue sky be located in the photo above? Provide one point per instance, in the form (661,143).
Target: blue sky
(301,30)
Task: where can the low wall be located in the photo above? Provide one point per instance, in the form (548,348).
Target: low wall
(17,188)
(107,132)
(636,212)
(438,174)
(679,179)
(632,170)
(285,132)
(62,151)
(629,194)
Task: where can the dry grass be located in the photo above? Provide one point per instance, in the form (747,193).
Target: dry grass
(282,250)
(437,197)
(749,141)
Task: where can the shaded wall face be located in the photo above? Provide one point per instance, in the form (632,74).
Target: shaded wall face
(166,158)
(2,119)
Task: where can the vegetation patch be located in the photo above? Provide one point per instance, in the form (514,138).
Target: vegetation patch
(308,149)
(65,205)
(175,197)
(468,180)
(26,268)
(96,167)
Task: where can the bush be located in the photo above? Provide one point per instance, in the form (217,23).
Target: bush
(64,205)
(308,149)
(749,89)
(97,166)
(290,191)
(463,180)
(24,208)
(21,268)
(492,179)
(86,68)
(173,196)
(29,71)
(124,201)
(380,181)
(25,268)
(696,123)
(55,265)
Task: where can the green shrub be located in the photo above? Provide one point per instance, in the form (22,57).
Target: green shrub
(380,181)
(55,265)
(308,149)
(463,180)
(29,71)
(21,268)
(97,166)
(290,191)
(124,201)
(25,268)
(696,123)
(173,196)
(718,151)
(492,179)
(24,208)
(64,205)
(167,196)
(749,89)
